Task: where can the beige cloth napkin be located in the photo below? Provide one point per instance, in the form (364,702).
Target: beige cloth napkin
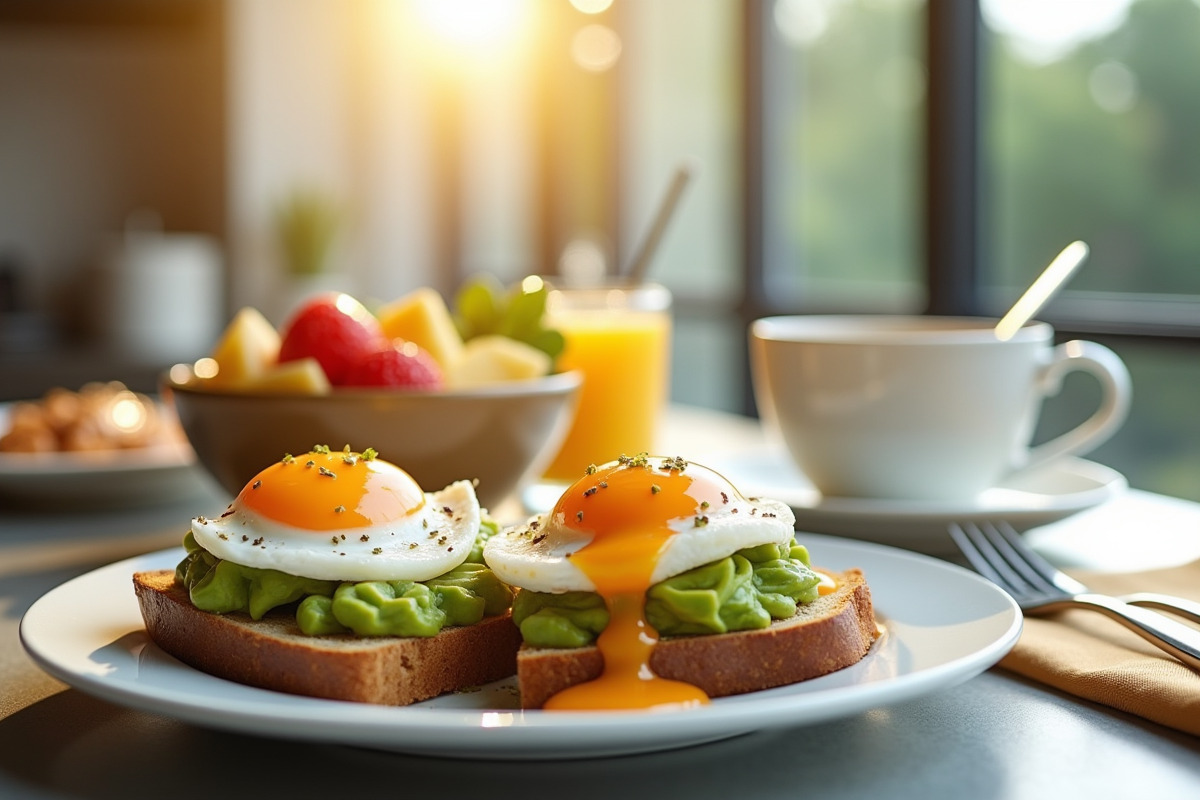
(1089,655)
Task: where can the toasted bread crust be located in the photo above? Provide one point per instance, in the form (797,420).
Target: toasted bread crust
(272,653)
(833,632)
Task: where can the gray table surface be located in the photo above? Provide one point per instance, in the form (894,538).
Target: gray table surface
(994,736)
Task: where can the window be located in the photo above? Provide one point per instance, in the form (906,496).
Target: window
(843,92)
(1047,120)
(1090,123)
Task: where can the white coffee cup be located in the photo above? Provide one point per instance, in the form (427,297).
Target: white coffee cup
(921,407)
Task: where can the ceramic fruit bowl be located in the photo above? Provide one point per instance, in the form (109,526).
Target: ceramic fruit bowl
(500,435)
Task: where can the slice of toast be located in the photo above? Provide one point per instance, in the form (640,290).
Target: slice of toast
(834,631)
(272,653)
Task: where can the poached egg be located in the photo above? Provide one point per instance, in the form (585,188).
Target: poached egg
(623,527)
(345,516)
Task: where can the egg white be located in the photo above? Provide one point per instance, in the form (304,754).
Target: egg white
(423,545)
(534,556)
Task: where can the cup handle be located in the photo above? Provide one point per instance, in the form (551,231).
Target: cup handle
(1116,392)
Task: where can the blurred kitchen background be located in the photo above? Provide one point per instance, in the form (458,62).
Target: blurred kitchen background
(849,155)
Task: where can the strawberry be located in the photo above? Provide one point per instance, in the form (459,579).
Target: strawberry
(336,330)
(404,365)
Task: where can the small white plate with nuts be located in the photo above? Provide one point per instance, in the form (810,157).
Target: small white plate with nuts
(100,445)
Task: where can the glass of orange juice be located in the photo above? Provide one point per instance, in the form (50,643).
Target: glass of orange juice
(619,336)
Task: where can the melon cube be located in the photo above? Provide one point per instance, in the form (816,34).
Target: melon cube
(493,359)
(421,316)
(248,347)
(300,376)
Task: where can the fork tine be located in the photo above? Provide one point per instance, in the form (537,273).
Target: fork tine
(1054,577)
(972,554)
(986,559)
(1018,556)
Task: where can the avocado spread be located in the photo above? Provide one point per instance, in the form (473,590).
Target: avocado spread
(744,591)
(462,596)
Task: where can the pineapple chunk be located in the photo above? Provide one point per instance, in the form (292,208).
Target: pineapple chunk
(421,316)
(494,358)
(248,347)
(301,376)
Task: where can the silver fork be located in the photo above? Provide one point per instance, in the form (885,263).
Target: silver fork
(998,553)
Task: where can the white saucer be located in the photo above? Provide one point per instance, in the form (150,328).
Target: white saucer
(1035,498)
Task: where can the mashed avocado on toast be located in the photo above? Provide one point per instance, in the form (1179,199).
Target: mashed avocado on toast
(744,591)
(462,596)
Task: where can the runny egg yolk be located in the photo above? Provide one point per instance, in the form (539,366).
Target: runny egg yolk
(323,491)
(631,509)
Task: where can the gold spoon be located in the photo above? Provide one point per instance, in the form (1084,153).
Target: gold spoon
(1042,289)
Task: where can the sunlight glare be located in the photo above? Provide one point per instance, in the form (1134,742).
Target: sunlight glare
(1113,87)
(1045,30)
(582,261)
(127,413)
(802,22)
(474,22)
(596,48)
(203,368)
(591,6)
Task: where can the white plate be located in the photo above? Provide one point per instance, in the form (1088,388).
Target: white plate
(142,476)
(1038,497)
(943,625)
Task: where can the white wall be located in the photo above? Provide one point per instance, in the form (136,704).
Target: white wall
(331,93)
(98,121)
